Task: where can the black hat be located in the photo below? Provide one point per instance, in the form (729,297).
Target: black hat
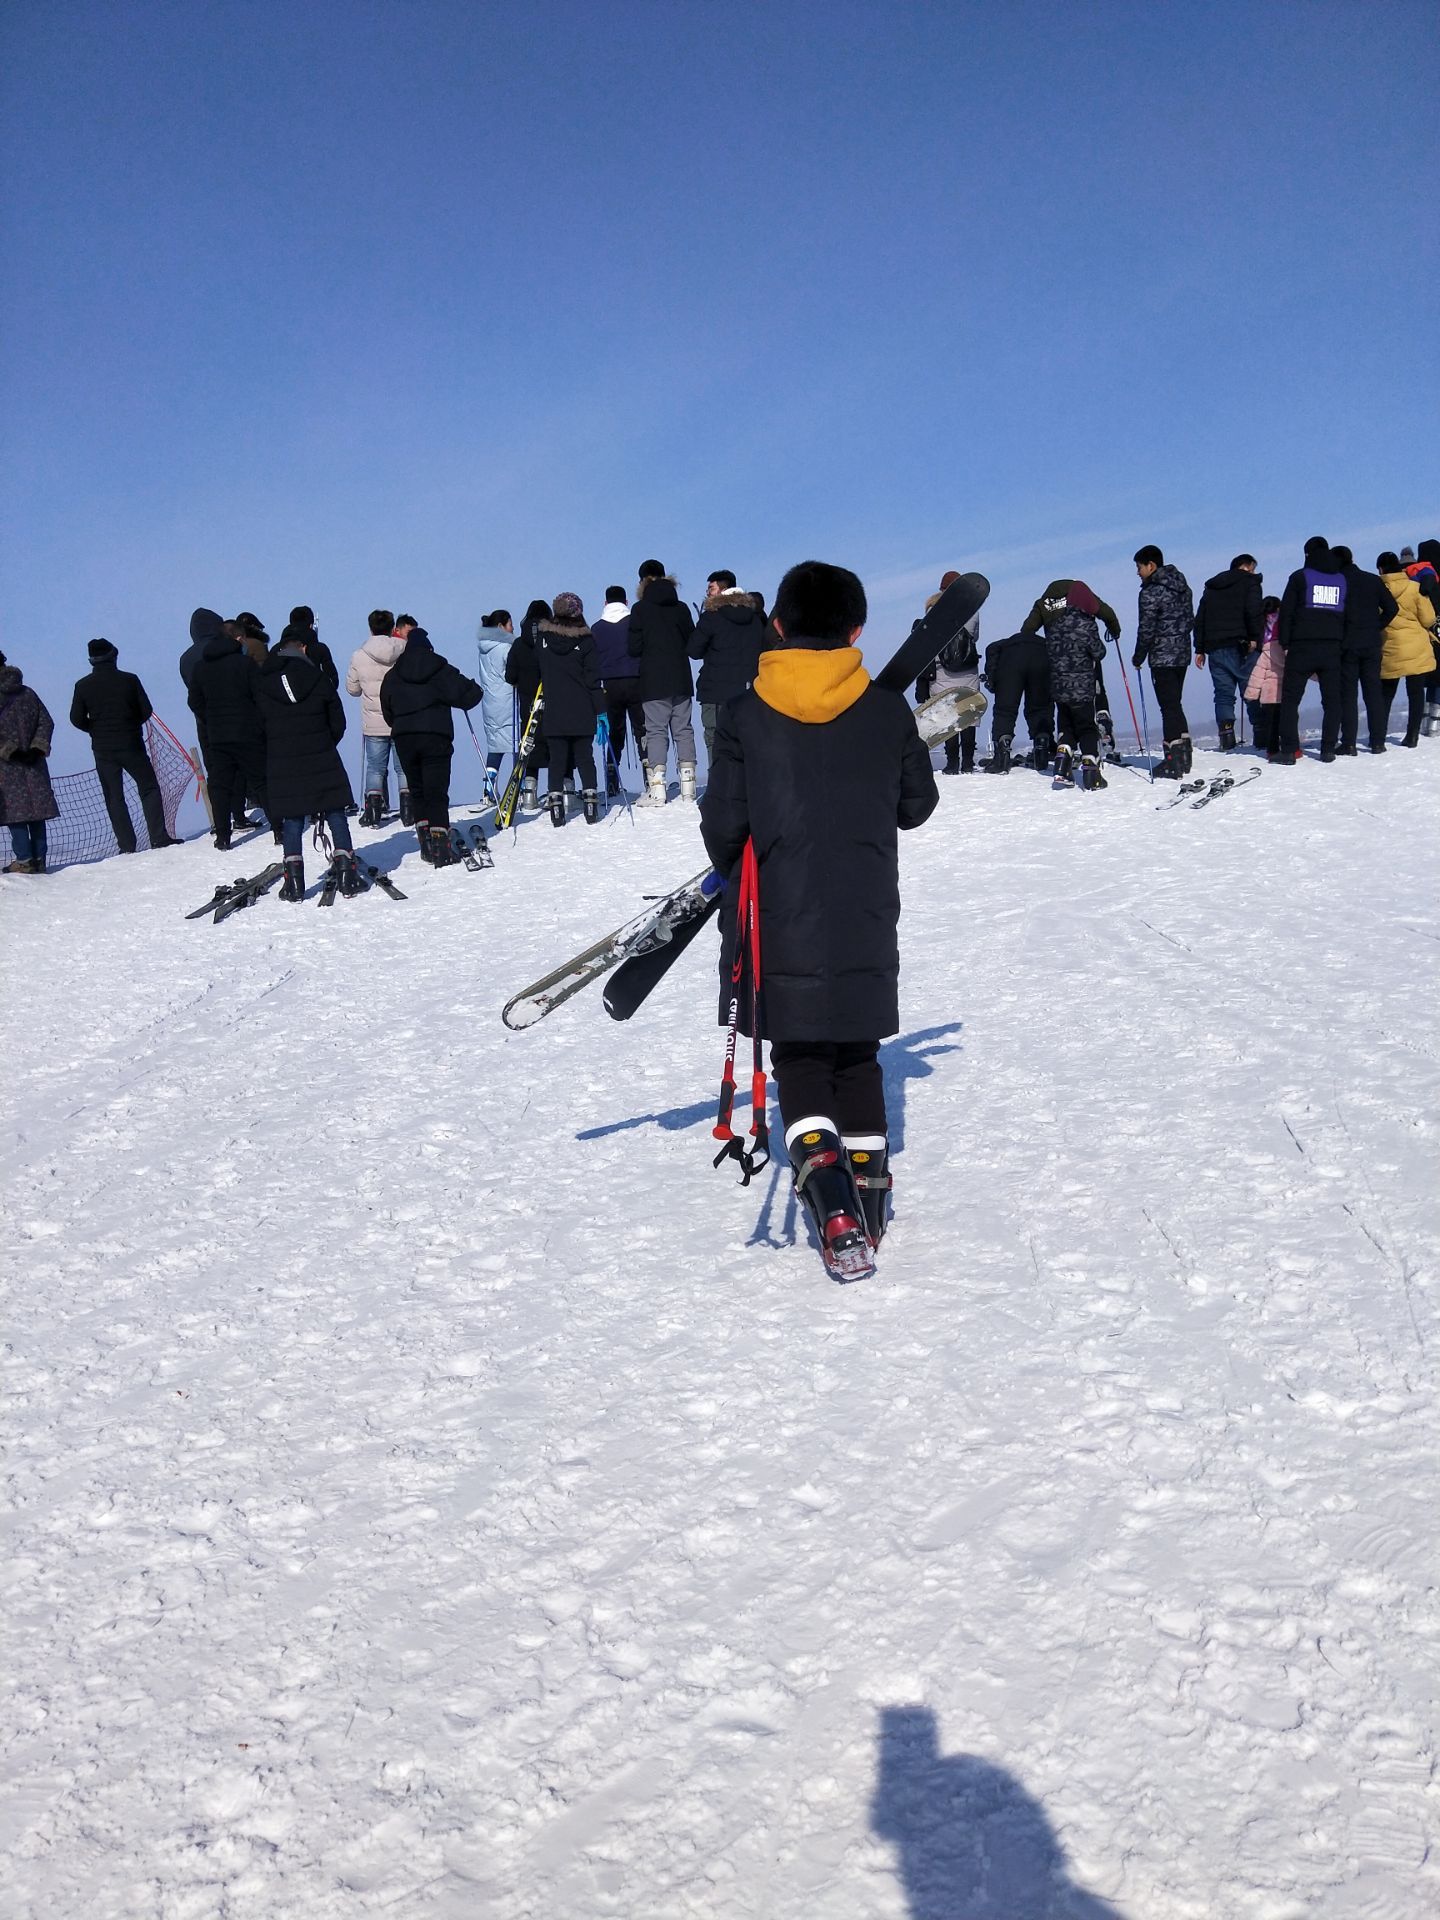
(102,650)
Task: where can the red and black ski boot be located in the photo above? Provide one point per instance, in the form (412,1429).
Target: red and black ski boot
(292,887)
(826,1187)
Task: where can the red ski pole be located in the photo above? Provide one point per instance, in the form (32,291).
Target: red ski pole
(1126,678)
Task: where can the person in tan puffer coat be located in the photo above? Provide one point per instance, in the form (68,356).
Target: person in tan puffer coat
(369,665)
(1408,654)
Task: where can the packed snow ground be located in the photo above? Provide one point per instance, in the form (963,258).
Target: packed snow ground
(437,1492)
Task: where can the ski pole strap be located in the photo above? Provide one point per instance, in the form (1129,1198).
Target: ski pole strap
(745,973)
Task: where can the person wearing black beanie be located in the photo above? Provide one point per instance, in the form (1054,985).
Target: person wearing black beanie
(112,707)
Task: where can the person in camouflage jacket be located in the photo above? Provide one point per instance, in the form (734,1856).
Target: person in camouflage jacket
(1072,640)
(1167,618)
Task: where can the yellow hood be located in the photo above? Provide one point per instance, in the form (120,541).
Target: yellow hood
(811,684)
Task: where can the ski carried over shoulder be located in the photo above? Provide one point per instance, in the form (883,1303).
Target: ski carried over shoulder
(1182,794)
(1224,783)
(373,877)
(654,927)
(505,811)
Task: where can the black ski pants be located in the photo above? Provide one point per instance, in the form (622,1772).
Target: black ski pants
(234,770)
(838,1078)
(1027,678)
(1302,658)
(1168,682)
(571,751)
(623,704)
(426,758)
(1415,685)
(1077,726)
(1360,674)
(112,764)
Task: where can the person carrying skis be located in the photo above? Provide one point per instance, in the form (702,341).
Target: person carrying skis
(727,641)
(955,669)
(1075,649)
(570,676)
(1228,629)
(1162,636)
(304,723)
(522,670)
(369,664)
(497,709)
(417,696)
(112,707)
(1016,668)
(816,771)
(1052,602)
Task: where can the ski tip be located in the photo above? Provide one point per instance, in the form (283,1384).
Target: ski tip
(522,1013)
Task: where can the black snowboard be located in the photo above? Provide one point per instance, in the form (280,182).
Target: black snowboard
(634,980)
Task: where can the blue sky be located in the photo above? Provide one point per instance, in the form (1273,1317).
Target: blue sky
(439,306)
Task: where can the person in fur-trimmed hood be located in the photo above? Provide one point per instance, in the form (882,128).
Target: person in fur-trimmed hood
(819,770)
(570,675)
(727,642)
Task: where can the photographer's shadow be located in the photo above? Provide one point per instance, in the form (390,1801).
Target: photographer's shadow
(971,1843)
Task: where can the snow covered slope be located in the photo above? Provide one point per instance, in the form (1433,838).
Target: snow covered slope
(437,1492)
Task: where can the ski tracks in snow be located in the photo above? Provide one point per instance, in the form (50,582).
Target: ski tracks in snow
(434,1490)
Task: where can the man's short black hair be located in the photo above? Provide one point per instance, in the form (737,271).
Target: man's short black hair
(302,617)
(1343,556)
(723,577)
(1243,560)
(1316,544)
(651,570)
(382,621)
(616,597)
(1387,563)
(816,601)
(406,620)
(1150,557)
(499,618)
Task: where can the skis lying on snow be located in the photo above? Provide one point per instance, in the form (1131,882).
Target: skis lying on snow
(654,928)
(463,850)
(1222,784)
(373,877)
(1182,794)
(239,893)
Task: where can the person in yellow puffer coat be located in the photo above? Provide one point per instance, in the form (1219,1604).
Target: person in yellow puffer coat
(1408,654)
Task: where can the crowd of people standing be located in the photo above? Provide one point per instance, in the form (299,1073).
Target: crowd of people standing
(565,696)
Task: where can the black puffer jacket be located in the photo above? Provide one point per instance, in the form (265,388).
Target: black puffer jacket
(205,624)
(222,694)
(570,674)
(1230,613)
(1073,643)
(111,706)
(1369,608)
(1312,607)
(419,691)
(1009,661)
(823,793)
(1167,614)
(304,723)
(660,630)
(728,642)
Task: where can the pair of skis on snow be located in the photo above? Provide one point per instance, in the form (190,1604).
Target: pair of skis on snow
(1208,790)
(641,951)
(471,847)
(231,898)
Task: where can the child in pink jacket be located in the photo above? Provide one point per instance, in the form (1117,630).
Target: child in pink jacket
(1267,676)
